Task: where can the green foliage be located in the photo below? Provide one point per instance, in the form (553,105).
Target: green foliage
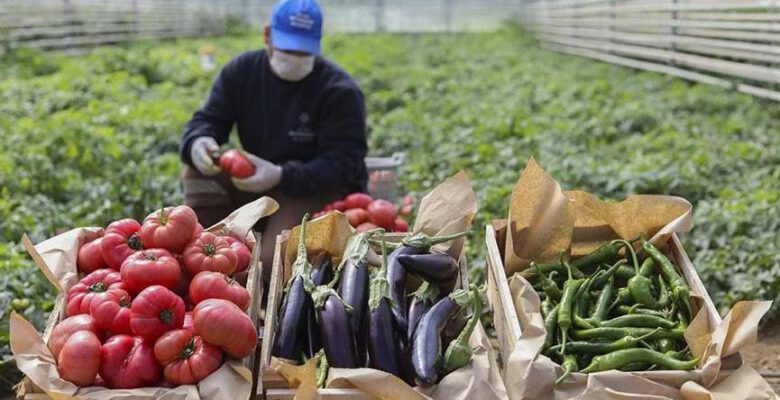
(90,139)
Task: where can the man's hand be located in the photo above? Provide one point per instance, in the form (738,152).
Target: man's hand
(267,175)
(199,153)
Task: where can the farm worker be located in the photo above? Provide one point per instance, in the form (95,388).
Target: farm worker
(299,117)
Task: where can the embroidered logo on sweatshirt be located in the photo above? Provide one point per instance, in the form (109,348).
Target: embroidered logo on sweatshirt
(302,134)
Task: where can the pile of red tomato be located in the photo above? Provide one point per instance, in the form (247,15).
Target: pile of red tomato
(365,213)
(129,322)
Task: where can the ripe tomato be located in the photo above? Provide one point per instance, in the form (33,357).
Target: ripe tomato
(154,311)
(188,322)
(236,164)
(89,257)
(356,216)
(79,359)
(223,324)
(121,240)
(198,230)
(186,358)
(405,210)
(408,200)
(170,228)
(242,252)
(382,213)
(128,362)
(183,285)
(365,226)
(215,285)
(112,313)
(210,253)
(92,287)
(357,200)
(69,326)
(340,205)
(400,225)
(148,268)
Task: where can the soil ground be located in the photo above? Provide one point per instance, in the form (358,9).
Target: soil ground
(764,356)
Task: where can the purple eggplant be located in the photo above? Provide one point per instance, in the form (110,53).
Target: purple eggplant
(320,275)
(336,333)
(289,331)
(426,342)
(440,268)
(459,352)
(396,274)
(353,289)
(422,301)
(383,343)
(287,340)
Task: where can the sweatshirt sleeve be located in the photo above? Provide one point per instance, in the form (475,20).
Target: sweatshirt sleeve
(218,115)
(341,147)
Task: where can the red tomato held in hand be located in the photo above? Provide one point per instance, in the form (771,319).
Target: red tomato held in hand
(186,358)
(357,200)
(93,286)
(242,252)
(214,285)
(79,359)
(69,326)
(112,313)
(148,268)
(121,240)
(154,311)
(356,216)
(210,253)
(365,226)
(223,324)
(382,213)
(236,164)
(170,228)
(89,257)
(189,324)
(128,362)
(400,225)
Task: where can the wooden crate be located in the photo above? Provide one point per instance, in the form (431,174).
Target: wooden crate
(273,386)
(508,326)
(251,279)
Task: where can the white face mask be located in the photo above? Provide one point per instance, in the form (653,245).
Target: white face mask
(289,67)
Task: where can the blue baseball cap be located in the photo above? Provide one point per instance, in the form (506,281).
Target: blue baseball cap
(296,25)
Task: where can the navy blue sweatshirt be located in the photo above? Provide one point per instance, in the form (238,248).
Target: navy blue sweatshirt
(315,128)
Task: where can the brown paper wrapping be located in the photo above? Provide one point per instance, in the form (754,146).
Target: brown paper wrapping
(543,220)
(56,258)
(448,208)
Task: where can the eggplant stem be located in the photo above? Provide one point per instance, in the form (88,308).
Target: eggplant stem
(380,287)
(426,291)
(301,266)
(424,241)
(459,352)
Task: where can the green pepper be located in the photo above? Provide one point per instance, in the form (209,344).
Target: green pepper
(635,309)
(638,320)
(570,288)
(617,333)
(647,267)
(549,324)
(549,287)
(621,358)
(531,274)
(639,286)
(588,347)
(607,253)
(665,345)
(680,290)
(602,304)
(569,365)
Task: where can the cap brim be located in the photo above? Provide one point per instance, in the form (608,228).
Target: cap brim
(291,42)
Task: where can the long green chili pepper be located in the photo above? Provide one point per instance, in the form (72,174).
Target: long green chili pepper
(624,272)
(617,333)
(607,253)
(569,366)
(587,347)
(549,287)
(647,267)
(570,288)
(531,273)
(680,290)
(550,321)
(322,368)
(547,307)
(635,309)
(602,304)
(639,286)
(613,270)
(639,321)
(621,358)
(663,299)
